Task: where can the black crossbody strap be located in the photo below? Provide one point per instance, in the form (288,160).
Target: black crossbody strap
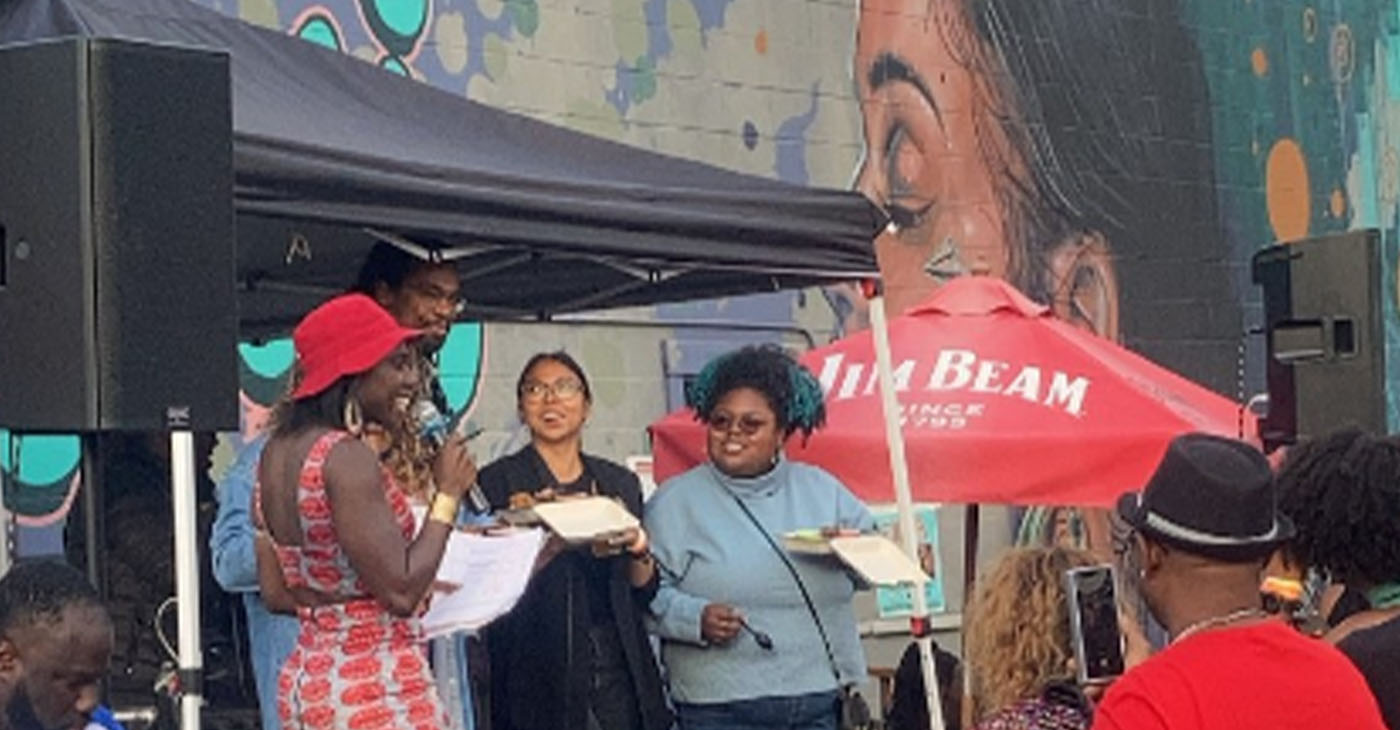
(801,587)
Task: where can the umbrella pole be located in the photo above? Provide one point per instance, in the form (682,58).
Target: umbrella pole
(899,469)
(186,577)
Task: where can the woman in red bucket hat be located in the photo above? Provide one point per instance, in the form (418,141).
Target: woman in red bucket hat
(337,543)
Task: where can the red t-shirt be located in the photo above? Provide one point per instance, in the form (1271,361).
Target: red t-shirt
(1260,677)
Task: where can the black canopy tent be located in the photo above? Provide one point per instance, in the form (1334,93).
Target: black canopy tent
(331,152)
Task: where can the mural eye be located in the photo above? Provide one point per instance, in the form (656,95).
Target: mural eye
(903,166)
(901,163)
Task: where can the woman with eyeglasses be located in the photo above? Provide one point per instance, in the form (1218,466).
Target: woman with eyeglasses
(754,637)
(573,653)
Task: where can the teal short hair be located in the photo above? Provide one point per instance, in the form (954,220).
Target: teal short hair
(792,391)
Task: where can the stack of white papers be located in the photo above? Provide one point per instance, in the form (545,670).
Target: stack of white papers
(490,572)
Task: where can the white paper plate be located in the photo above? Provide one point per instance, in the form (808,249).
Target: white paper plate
(582,520)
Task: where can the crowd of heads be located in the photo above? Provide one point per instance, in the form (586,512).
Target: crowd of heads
(1336,497)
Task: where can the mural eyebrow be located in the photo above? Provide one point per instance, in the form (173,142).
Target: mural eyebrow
(888,68)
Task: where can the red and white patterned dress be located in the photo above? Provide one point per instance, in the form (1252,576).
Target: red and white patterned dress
(355,665)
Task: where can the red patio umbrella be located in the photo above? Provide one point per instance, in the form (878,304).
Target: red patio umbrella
(1001,403)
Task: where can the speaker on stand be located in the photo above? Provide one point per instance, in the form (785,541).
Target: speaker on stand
(117,308)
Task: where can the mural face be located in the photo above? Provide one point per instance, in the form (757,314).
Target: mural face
(934,158)
(1014,139)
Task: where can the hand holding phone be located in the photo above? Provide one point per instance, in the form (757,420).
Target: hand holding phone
(1095,634)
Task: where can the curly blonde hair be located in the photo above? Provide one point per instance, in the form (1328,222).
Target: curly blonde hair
(1017,635)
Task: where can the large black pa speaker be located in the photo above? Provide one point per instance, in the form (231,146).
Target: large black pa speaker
(1326,339)
(117,307)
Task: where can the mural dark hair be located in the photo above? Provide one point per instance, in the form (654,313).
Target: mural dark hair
(40,590)
(791,390)
(1106,115)
(561,357)
(1342,492)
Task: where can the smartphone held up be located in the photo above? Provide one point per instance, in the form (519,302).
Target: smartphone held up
(1095,634)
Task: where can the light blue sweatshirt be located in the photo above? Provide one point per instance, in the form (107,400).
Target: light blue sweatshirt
(712,553)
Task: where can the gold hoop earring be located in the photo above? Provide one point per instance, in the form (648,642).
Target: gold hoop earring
(352,417)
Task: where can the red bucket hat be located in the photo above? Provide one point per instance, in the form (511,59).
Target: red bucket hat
(345,336)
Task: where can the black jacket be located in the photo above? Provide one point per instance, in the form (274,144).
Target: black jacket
(540,657)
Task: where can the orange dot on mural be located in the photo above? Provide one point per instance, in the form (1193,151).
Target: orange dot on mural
(1259,61)
(1338,203)
(1286,188)
(760,42)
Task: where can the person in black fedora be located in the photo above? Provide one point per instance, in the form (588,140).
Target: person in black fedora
(1205,524)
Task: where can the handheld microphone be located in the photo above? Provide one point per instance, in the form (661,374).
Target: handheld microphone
(435,429)
(763,640)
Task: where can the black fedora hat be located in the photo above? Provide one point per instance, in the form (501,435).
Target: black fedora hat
(1210,496)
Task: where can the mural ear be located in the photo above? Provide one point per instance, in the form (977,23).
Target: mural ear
(1083,285)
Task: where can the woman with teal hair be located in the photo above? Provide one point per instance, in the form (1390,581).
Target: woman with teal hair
(752,636)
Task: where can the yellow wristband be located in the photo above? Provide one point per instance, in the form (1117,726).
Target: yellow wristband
(444,509)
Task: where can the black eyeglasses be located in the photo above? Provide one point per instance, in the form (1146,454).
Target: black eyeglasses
(451,299)
(747,424)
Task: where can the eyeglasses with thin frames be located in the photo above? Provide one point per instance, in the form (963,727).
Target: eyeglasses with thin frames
(562,390)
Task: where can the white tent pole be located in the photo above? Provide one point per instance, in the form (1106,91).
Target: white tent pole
(186,577)
(899,469)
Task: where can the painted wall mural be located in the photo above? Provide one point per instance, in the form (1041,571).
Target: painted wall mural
(1119,160)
